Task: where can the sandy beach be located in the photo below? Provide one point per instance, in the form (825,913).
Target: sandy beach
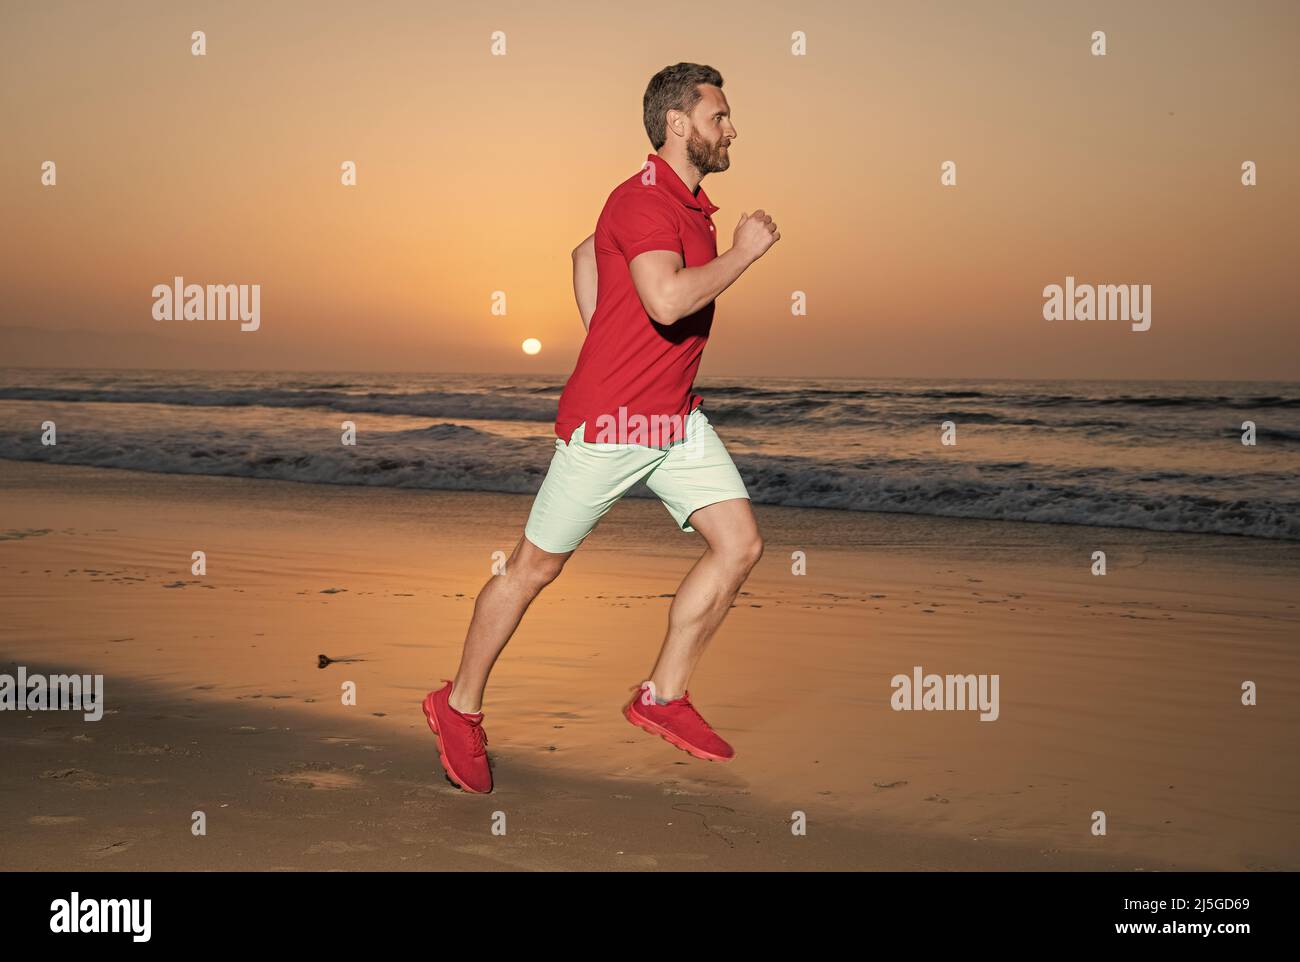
(1119,693)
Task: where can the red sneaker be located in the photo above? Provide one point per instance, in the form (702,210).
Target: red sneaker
(462,742)
(677,723)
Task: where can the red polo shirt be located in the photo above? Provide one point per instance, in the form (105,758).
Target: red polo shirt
(628,360)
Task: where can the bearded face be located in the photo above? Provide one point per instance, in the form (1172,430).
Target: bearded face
(706,157)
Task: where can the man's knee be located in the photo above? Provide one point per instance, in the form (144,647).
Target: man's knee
(743,553)
(536,568)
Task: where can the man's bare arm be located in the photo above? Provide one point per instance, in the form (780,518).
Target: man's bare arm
(670,291)
(584,279)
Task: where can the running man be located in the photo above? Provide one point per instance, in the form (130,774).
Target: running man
(645,284)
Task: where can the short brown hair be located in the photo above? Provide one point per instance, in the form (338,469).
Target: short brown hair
(674,88)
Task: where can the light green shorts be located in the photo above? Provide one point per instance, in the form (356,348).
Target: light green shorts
(587,478)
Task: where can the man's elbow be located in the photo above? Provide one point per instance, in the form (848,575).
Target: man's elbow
(660,302)
(662,312)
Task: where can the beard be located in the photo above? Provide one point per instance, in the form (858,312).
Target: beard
(705,157)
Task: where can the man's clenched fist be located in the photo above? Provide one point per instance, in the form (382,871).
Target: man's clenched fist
(754,234)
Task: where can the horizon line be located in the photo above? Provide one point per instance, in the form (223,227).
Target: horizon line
(703,378)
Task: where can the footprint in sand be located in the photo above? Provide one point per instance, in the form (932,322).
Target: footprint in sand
(709,821)
(76,777)
(112,848)
(339,848)
(142,748)
(329,780)
(18,534)
(54,819)
(639,861)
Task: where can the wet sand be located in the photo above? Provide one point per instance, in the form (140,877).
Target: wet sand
(1118,694)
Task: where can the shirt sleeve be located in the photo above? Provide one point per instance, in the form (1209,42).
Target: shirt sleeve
(641,223)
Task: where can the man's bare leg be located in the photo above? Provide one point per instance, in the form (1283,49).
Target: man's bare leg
(707,591)
(498,609)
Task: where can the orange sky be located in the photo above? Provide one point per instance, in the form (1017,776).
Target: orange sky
(480,173)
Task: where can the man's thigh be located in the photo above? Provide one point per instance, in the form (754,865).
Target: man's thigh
(696,474)
(583,482)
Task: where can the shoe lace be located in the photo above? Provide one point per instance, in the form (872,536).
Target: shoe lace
(480,739)
(477,735)
(686,704)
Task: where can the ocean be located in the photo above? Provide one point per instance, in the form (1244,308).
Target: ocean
(1154,455)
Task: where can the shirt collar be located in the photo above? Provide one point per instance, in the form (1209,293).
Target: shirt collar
(664,174)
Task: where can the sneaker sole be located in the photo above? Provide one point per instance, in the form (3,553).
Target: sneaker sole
(675,740)
(442,756)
